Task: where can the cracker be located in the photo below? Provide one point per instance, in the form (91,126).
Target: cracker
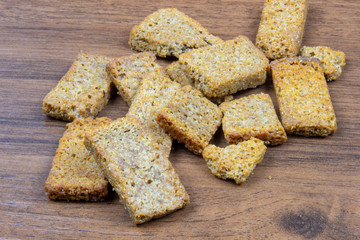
(82,92)
(332,61)
(154,93)
(190,118)
(137,169)
(226,68)
(252,116)
(303,97)
(127,72)
(75,174)
(178,74)
(169,32)
(235,162)
(281,27)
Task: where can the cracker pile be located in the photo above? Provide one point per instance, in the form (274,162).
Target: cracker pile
(187,101)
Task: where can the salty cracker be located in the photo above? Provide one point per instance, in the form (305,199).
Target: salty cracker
(82,92)
(252,116)
(127,72)
(225,68)
(154,93)
(178,73)
(75,174)
(169,32)
(303,97)
(190,118)
(235,162)
(332,61)
(137,169)
(281,27)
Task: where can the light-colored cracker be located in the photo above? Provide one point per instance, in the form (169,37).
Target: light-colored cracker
(127,72)
(235,162)
(154,93)
(169,32)
(225,68)
(332,61)
(303,97)
(190,118)
(281,27)
(75,174)
(178,73)
(252,116)
(82,92)
(137,169)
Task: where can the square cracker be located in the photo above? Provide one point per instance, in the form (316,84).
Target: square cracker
(190,118)
(252,116)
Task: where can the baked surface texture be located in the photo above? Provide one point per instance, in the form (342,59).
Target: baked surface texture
(137,169)
(154,93)
(75,175)
(190,118)
(303,97)
(225,68)
(127,72)
(235,162)
(178,73)
(281,28)
(252,116)
(169,32)
(332,61)
(82,92)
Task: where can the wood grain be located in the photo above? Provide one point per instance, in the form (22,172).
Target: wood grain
(314,191)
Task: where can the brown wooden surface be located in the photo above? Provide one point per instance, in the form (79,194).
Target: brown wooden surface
(314,191)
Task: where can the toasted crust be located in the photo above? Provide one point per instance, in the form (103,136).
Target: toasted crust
(190,118)
(332,61)
(252,116)
(169,32)
(178,73)
(282,27)
(303,97)
(82,92)
(154,93)
(137,169)
(74,174)
(226,68)
(235,162)
(127,72)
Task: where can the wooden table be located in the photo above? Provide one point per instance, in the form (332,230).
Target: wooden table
(305,188)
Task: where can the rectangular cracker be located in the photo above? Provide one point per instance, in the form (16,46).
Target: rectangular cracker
(303,97)
(127,72)
(190,118)
(75,174)
(252,116)
(281,27)
(137,169)
(154,93)
(332,61)
(226,68)
(169,32)
(235,162)
(82,92)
